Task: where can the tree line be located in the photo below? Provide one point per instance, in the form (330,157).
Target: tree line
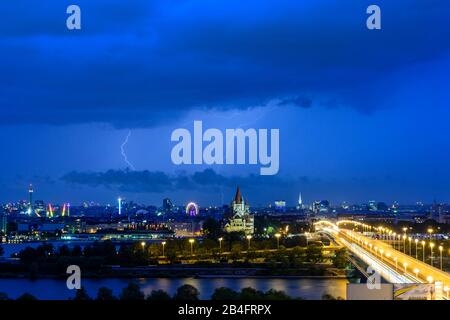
(185,292)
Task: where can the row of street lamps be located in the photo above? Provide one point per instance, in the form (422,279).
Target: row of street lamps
(390,235)
(380,252)
(192,241)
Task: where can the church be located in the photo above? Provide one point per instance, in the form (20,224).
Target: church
(241,220)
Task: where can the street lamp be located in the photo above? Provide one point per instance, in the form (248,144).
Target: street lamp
(220,244)
(277,235)
(430,279)
(431,249)
(404,243)
(416,241)
(430,231)
(191,241)
(440,252)
(405,264)
(143,245)
(394,238)
(163,245)
(249,237)
(409,239)
(446,290)
(423,250)
(416,271)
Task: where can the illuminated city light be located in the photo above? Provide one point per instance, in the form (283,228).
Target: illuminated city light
(192,209)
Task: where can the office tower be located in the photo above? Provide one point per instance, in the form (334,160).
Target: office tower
(30,205)
(167,205)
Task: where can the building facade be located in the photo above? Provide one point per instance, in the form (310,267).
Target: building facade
(241,220)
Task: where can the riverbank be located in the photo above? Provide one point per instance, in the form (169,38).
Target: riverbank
(184,271)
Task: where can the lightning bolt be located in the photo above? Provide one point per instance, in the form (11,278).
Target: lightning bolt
(122,151)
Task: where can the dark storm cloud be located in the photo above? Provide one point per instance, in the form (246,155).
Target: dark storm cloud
(138,63)
(124,180)
(159,182)
(298,101)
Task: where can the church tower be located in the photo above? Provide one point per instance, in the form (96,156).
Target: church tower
(241,219)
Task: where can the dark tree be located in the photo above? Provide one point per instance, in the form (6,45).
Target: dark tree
(64,251)
(232,237)
(212,228)
(132,292)
(327,296)
(303,241)
(225,294)
(187,292)
(314,254)
(158,295)
(76,251)
(27,255)
(26,297)
(44,249)
(251,294)
(340,258)
(82,295)
(105,294)
(273,294)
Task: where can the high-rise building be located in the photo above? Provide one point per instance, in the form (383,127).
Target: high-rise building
(280,206)
(30,193)
(372,206)
(315,207)
(319,207)
(300,201)
(167,205)
(241,219)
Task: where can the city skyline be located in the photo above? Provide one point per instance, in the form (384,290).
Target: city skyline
(273,201)
(362,114)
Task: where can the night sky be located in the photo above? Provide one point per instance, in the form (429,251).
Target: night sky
(363,114)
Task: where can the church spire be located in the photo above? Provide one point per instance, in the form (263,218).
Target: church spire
(238,196)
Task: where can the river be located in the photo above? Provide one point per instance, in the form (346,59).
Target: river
(55,289)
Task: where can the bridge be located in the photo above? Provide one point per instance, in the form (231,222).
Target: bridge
(393,265)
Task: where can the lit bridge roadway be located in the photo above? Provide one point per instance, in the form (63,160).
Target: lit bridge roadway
(393,265)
